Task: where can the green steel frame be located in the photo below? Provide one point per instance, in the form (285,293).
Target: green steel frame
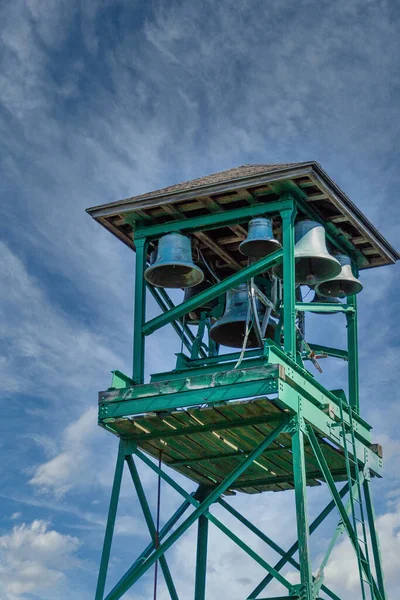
(309,413)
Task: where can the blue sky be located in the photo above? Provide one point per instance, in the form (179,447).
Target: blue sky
(100,100)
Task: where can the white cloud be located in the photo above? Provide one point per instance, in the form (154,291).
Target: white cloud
(34,559)
(77,464)
(342,573)
(52,349)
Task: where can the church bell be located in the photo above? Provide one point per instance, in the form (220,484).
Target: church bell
(260,239)
(174,266)
(344,284)
(313,263)
(230,329)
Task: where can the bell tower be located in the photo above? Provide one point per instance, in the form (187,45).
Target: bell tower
(243,411)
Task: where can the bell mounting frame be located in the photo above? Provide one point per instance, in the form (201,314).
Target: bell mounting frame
(267,425)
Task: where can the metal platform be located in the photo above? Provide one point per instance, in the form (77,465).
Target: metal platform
(199,425)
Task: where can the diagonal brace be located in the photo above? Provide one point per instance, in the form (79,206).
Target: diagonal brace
(213,292)
(216,522)
(150,524)
(133,574)
(339,504)
(293,549)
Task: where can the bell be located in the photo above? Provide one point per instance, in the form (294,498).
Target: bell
(325,300)
(260,239)
(313,261)
(194,315)
(344,284)
(174,267)
(230,329)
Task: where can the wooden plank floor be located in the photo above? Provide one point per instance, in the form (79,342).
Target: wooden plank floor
(206,444)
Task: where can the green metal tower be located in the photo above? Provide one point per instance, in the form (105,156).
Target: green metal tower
(253,421)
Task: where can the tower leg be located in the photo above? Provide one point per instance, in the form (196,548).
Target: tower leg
(105,555)
(150,524)
(301,513)
(374,537)
(201,558)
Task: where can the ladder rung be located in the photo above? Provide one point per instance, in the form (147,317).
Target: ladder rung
(362,541)
(359,520)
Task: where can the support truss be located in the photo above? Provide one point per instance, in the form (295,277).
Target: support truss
(291,432)
(308,588)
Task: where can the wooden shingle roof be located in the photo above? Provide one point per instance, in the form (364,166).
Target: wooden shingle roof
(241,186)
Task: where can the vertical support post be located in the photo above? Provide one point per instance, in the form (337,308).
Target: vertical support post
(199,337)
(289,290)
(303,530)
(376,550)
(112,512)
(352,347)
(140,312)
(201,558)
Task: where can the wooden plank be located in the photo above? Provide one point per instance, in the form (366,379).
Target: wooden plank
(200,235)
(315,197)
(370,251)
(360,239)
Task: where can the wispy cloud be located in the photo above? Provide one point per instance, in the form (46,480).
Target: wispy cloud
(103,100)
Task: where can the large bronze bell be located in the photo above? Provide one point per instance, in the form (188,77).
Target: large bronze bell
(230,329)
(260,239)
(313,263)
(344,284)
(174,266)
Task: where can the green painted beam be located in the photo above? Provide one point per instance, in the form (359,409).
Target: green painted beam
(289,289)
(140,313)
(215,521)
(352,348)
(201,558)
(213,292)
(112,513)
(164,531)
(303,533)
(213,368)
(132,576)
(260,534)
(210,221)
(341,508)
(231,385)
(150,525)
(232,356)
(323,307)
(177,324)
(376,550)
(293,549)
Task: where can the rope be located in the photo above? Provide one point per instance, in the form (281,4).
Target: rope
(157,541)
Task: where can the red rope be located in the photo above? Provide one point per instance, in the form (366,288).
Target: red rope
(157,542)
